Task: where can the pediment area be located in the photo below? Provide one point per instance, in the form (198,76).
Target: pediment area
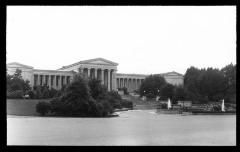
(18,65)
(173,74)
(99,61)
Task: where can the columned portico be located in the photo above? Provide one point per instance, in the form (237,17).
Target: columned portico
(98,68)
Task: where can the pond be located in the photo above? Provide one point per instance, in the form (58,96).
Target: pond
(134,127)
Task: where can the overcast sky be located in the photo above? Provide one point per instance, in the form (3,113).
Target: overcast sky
(142,39)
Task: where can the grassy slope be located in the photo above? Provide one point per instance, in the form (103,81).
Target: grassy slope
(23,107)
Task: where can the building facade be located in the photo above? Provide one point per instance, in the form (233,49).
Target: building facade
(99,68)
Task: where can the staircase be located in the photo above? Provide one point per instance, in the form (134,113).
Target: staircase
(140,104)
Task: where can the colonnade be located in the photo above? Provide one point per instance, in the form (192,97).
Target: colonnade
(107,76)
(130,83)
(53,81)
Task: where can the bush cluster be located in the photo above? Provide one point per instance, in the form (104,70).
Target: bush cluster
(216,108)
(43,92)
(84,98)
(43,107)
(16,86)
(15,94)
(126,104)
(164,106)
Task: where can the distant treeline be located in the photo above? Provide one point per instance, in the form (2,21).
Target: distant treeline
(200,85)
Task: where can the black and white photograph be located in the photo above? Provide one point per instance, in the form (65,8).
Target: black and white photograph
(121,75)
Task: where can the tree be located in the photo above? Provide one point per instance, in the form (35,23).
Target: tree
(190,79)
(77,100)
(16,86)
(114,99)
(229,73)
(151,85)
(97,90)
(167,91)
(43,108)
(180,93)
(211,84)
(205,84)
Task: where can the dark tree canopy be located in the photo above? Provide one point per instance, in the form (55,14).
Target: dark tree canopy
(16,86)
(200,85)
(167,91)
(180,94)
(97,90)
(229,73)
(152,86)
(211,84)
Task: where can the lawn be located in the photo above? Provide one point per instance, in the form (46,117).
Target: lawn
(23,107)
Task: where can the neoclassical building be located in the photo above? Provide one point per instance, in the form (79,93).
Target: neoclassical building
(99,68)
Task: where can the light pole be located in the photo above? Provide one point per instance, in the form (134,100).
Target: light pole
(144,95)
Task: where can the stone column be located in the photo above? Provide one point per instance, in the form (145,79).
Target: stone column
(114,85)
(102,76)
(37,79)
(131,85)
(57,81)
(43,79)
(118,86)
(95,72)
(135,84)
(127,85)
(120,82)
(49,81)
(54,81)
(60,82)
(116,82)
(64,78)
(88,72)
(108,80)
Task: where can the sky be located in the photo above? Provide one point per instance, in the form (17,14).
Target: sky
(141,39)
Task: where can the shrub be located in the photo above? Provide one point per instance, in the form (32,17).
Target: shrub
(164,106)
(114,99)
(43,107)
(126,104)
(43,92)
(216,108)
(107,108)
(17,94)
(77,100)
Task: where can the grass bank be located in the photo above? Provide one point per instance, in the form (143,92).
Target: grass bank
(23,107)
